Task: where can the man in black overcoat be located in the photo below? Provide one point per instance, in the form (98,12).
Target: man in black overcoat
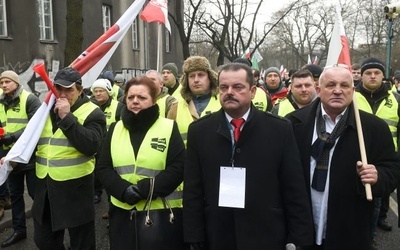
(341,212)
(266,206)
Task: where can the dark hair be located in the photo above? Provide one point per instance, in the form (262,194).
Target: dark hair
(355,66)
(256,73)
(145,81)
(79,86)
(244,61)
(302,73)
(237,67)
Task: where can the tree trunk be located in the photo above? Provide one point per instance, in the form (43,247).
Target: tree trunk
(73,45)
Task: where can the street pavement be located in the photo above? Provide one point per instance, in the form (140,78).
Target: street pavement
(28,244)
(386,240)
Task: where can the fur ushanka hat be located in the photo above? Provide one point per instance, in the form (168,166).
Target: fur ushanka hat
(197,63)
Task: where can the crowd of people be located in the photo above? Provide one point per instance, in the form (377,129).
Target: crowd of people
(245,160)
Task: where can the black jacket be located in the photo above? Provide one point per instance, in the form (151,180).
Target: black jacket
(277,210)
(32,105)
(71,202)
(347,204)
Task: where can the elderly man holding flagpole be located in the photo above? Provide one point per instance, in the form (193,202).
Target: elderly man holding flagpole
(337,171)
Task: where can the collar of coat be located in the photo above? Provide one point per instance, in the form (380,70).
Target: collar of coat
(307,114)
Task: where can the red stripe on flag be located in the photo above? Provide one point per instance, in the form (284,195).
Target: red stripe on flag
(92,58)
(76,64)
(344,56)
(152,13)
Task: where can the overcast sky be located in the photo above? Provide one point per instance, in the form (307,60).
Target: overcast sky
(269,7)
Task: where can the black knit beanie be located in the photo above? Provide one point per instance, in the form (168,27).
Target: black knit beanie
(372,63)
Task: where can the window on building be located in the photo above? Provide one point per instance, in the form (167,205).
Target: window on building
(167,41)
(3,18)
(106,17)
(135,35)
(46,19)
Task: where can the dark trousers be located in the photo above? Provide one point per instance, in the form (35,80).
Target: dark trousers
(384,207)
(98,187)
(16,183)
(375,215)
(81,237)
(4,192)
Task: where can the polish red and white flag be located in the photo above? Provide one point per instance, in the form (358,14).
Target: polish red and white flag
(156,11)
(338,52)
(89,64)
(315,60)
(92,61)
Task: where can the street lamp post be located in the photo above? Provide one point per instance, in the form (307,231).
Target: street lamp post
(391,13)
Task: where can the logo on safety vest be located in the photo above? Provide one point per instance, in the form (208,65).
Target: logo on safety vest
(259,105)
(159,144)
(108,115)
(17,108)
(388,103)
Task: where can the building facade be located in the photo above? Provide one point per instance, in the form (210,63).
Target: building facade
(36,31)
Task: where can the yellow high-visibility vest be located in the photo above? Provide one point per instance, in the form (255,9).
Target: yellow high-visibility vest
(260,100)
(56,157)
(16,117)
(285,107)
(387,111)
(184,117)
(110,112)
(150,160)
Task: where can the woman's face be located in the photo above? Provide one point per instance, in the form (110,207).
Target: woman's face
(138,98)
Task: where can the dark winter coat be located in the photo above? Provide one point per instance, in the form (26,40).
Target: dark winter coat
(71,202)
(277,210)
(349,212)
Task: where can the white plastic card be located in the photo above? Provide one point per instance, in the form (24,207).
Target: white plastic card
(232,187)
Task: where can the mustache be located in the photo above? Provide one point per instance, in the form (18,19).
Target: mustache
(230,98)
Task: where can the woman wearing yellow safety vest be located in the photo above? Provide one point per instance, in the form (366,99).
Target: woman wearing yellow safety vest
(141,146)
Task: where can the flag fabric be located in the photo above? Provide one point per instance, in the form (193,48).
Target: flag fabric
(93,60)
(257,56)
(254,63)
(315,60)
(23,148)
(89,64)
(156,11)
(338,52)
(254,57)
(247,54)
(282,71)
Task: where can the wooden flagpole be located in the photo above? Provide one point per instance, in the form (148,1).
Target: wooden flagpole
(361,143)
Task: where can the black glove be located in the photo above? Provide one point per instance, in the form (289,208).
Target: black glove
(132,195)
(8,139)
(197,246)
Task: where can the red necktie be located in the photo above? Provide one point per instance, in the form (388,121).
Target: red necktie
(237,123)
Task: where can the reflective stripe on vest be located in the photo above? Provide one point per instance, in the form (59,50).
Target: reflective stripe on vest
(184,118)
(150,161)
(387,111)
(16,118)
(56,156)
(110,112)
(260,100)
(285,107)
